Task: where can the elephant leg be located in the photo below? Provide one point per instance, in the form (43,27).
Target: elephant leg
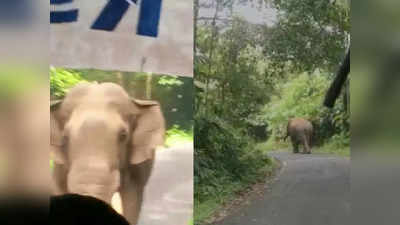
(295,145)
(132,188)
(296,148)
(306,147)
(59,179)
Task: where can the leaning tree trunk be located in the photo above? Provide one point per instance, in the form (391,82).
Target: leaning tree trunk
(337,85)
(346,96)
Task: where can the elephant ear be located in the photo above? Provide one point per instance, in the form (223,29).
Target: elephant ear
(55,133)
(148,132)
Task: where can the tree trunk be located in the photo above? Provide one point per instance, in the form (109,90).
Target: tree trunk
(337,85)
(120,79)
(210,54)
(149,78)
(346,97)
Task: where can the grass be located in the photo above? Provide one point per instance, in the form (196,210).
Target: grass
(272,145)
(334,147)
(206,209)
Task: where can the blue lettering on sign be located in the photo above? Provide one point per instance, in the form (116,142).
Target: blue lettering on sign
(112,13)
(58,2)
(149,18)
(67,16)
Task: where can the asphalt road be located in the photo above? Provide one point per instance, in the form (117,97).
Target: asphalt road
(168,198)
(309,190)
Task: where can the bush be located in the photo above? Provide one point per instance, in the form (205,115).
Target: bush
(224,156)
(176,136)
(61,80)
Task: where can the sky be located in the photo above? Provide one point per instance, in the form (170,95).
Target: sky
(250,13)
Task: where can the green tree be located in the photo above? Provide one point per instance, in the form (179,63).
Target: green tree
(309,34)
(61,80)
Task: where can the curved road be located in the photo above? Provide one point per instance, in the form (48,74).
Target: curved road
(309,190)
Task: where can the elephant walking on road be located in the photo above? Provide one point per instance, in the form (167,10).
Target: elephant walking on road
(300,132)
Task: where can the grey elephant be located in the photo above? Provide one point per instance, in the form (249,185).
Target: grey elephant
(104,142)
(300,131)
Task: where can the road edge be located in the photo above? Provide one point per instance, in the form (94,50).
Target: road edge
(249,194)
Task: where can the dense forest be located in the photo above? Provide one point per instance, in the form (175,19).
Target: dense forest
(251,78)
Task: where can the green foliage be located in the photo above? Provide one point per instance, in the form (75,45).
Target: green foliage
(176,98)
(272,145)
(309,34)
(177,136)
(233,74)
(61,80)
(169,81)
(224,155)
(339,144)
(299,97)
(302,96)
(205,209)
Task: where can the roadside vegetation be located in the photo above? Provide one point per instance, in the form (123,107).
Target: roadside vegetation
(250,79)
(302,96)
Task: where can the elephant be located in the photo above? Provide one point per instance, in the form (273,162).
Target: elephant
(300,131)
(104,142)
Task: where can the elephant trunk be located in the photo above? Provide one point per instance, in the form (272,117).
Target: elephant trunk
(94,179)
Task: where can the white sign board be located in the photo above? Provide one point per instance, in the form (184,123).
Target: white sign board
(126,35)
